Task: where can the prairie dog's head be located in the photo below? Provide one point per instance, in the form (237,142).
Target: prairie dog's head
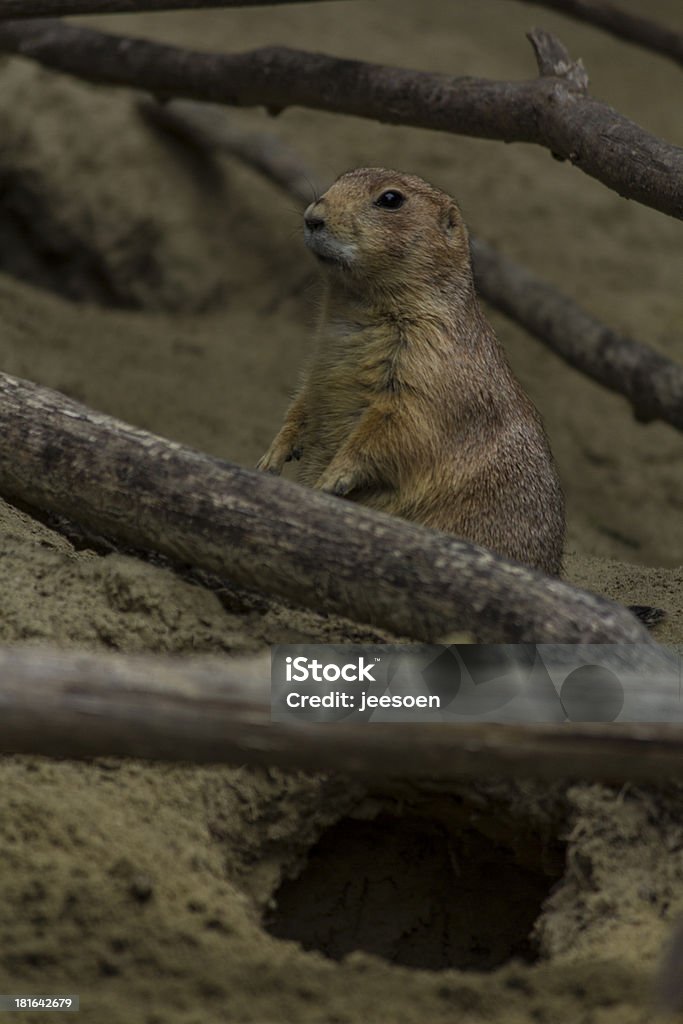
(387,230)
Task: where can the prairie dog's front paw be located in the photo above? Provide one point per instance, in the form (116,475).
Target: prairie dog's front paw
(336,483)
(276,456)
(271,462)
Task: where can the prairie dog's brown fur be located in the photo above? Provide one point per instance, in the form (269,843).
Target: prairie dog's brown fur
(408,404)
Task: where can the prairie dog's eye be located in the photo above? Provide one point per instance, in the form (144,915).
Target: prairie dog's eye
(390,200)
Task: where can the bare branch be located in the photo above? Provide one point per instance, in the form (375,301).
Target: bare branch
(207,127)
(631,27)
(211,710)
(549,111)
(271,535)
(16,9)
(652,383)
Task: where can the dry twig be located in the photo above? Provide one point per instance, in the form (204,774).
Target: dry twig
(211,710)
(271,535)
(634,28)
(552,111)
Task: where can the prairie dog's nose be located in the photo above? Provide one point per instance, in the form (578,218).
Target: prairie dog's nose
(312,220)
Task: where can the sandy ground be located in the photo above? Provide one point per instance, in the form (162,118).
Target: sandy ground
(174,293)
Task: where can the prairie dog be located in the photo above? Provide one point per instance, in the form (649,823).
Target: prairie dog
(408,404)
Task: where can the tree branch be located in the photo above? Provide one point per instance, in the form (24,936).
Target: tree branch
(550,111)
(271,535)
(631,27)
(20,9)
(211,710)
(651,383)
(209,129)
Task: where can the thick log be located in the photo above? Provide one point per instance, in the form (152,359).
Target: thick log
(211,710)
(268,534)
(553,110)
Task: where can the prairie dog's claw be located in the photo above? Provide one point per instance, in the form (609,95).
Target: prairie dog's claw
(267,464)
(277,455)
(337,485)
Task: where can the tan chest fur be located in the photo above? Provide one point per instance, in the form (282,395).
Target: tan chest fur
(344,377)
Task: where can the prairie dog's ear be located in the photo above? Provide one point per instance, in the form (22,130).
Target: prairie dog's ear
(451,218)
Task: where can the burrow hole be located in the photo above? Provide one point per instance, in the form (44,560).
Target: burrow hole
(415,893)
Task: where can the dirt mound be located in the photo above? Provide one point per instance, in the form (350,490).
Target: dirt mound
(99,208)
